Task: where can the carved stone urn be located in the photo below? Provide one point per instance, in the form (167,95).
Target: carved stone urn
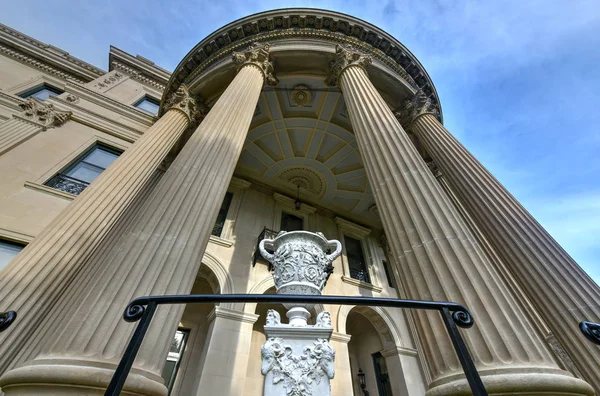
(301,261)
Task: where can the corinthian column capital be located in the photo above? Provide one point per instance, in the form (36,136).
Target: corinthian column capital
(43,114)
(184,101)
(415,106)
(257,55)
(344,58)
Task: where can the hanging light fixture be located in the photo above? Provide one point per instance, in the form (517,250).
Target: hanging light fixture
(297,202)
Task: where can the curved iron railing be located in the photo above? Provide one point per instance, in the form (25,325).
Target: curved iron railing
(143,308)
(6,319)
(454,316)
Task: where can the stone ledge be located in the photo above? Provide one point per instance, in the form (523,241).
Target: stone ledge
(49,190)
(220,241)
(364,285)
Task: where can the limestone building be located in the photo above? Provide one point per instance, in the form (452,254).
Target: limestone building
(136,181)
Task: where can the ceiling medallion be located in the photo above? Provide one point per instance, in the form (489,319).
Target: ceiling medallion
(301,96)
(307,179)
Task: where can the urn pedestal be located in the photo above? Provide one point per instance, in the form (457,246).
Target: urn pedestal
(297,358)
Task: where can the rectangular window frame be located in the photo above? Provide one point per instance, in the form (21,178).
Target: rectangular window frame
(44,85)
(149,98)
(13,242)
(70,161)
(174,373)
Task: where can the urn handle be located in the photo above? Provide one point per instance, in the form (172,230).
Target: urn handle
(338,249)
(262,246)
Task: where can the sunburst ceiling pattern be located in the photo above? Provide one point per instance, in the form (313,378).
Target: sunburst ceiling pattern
(301,136)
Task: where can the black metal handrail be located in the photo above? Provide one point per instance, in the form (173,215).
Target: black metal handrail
(6,319)
(591,331)
(143,308)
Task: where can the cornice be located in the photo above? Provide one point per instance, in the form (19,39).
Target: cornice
(138,68)
(289,23)
(231,314)
(37,64)
(350,227)
(46,56)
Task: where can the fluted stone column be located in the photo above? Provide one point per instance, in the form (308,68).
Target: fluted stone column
(161,255)
(560,354)
(35,117)
(440,259)
(33,281)
(560,290)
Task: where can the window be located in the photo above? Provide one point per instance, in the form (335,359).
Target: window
(8,251)
(79,175)
(41,92)
(356,259)
(178,343)
(289,222)
(222,216)
(148,104)
(388,273)
(381,373)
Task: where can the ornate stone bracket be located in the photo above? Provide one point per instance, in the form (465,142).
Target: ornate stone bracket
(413,107)
(344,58)
(257,54)
(43,114)
(298,373)
(434,169)
(184,101)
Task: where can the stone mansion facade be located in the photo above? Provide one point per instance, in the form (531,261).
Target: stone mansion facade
(138,181)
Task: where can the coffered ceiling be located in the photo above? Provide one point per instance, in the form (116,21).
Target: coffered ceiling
(301,136)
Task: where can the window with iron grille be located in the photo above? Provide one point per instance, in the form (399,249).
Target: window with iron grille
(222,216)
(356,259)
(84,170)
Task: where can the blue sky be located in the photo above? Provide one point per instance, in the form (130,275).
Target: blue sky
(519,81)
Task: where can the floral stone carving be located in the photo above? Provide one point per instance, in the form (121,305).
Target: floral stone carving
(306,374)
(300,263)
(43,114)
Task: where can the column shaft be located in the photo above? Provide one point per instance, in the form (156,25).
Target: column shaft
(560,290)
(544,331)
(33,281)
(161,255)
(14,132)
(441,261)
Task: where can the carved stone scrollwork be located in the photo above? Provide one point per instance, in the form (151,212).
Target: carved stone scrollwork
(299,374)
(413,107)
(43,114)
(344,58)
(187,103)
(257,54)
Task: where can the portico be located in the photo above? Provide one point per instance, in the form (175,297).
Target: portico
(327,110)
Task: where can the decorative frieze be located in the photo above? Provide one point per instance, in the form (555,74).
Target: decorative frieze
(137,75)
(300,374)
(344,58)
(415,106)
(109,80)
(44,114)
(184,101)
(257,54)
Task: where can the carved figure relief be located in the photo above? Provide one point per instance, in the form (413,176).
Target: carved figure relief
(273,318)
(43,113)
(298,373)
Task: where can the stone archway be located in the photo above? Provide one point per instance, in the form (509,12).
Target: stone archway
(374,347)
(212,278)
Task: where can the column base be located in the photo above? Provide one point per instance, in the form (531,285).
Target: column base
(75,377)
(524,381)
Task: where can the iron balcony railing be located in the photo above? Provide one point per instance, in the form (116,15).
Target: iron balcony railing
(67,184)
(453,315)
